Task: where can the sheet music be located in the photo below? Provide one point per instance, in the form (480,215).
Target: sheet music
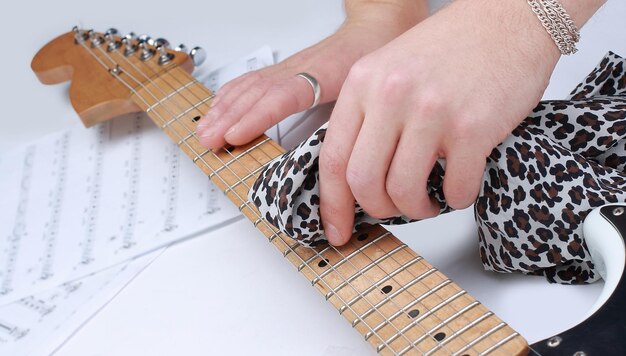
(119,158)
(79,201)
(39,324)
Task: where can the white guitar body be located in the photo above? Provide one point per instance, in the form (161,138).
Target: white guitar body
(603,330)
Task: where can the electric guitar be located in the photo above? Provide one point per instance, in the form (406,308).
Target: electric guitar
(394,298)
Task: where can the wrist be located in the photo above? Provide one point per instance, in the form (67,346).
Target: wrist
(397,15)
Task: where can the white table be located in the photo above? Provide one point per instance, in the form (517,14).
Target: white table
(230,292)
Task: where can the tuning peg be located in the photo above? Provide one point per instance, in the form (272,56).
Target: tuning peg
(130,36)
(129,46)
(79,35)
(145,39)
(162,42)
(181,48)
(111,32)
(164,56)
(96,39)
(198,56)
(146,52)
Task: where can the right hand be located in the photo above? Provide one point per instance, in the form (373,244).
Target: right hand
(247,106)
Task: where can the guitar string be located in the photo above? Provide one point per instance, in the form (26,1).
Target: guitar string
(208,166)
(411,343)
(461,317)
(407,327)
(227,165)
(234,158)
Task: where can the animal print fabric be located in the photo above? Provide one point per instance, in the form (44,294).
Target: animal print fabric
(565,159)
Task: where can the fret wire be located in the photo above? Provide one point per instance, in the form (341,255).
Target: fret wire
(198,156)
(480,338)
(500,343)
(422,317)
(374,264)
(256,223)
(260,219)
(187,111)
(388,276)
(444,283)
(186,138)
(361,272)
(168,96)
(460,331)
(413,276)
(408,285)
(333,267)
(440,325)
(354,253)
(208,166)
(310,259)
(292,247)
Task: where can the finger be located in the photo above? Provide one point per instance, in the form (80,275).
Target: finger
(281,100)
(464,173)
(235,87)
(223,115)
(336,199)
(369,163)
(408,174)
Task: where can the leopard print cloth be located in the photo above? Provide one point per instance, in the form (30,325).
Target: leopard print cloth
(565,159)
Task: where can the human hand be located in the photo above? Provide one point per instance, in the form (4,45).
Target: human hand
(452,87)
(247,106)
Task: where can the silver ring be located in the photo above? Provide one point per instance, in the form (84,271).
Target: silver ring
(317,92)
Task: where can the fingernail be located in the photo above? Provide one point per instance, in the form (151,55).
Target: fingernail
(332,234)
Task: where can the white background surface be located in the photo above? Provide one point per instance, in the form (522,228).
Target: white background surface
(230,292)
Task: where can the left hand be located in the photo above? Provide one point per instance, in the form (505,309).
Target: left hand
(452,87)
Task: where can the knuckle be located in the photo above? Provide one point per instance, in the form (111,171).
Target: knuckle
(359,180)
(398,191)
(359,73)
(394,86)
(458,197)
(331,162)
(430,105)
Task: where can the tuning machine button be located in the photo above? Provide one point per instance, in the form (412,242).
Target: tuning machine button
(181,48)
(111,32)
(96,39)
(146,51)
(145,39)
(113,43)
(80,36)
(198,56)
(129,46)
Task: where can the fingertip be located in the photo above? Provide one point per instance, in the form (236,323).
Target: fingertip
(334,236)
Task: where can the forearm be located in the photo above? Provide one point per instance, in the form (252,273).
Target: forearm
(581,10)
(401,13)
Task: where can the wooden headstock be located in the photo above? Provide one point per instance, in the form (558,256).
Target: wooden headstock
(104,70)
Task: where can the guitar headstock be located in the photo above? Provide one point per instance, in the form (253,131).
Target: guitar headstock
(105,69)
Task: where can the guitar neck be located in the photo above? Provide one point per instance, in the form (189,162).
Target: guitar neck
(394,298)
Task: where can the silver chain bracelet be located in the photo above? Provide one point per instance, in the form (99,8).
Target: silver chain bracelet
(557,23)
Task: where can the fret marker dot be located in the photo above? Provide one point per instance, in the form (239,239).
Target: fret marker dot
(229,148)
(362,237)
(414,313)
(323,263)
(440,336)
(196,119)
(387,289)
